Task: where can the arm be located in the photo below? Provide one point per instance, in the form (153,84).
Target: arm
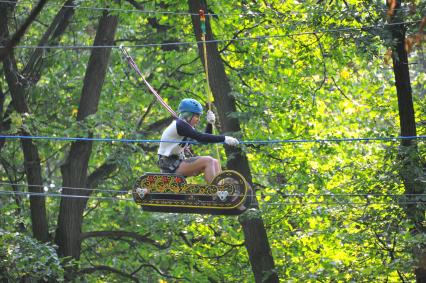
(209,129)
(184,129)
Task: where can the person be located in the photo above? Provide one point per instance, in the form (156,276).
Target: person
(171,155)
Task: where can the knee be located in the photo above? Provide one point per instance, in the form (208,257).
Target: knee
(209,161)
(215,163)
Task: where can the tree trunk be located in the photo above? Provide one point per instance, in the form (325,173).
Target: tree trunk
(32,70)
(75,169)
(31,157)
(17,89)
(409,157)
(256,240)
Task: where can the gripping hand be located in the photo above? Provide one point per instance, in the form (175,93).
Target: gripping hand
(231,141)
(211,118)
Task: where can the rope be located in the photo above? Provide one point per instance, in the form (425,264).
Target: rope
(61,195)
(343,203)
(293,195)
(135,67)
(214,40)
(367,203)
(248,142)
(249,14)
(206,68)
(398,198)
(51,187)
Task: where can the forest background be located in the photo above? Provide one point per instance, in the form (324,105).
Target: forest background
(333,85)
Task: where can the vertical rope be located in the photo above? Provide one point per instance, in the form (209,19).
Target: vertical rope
(206,67)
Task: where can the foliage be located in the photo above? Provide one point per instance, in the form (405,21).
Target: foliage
(24,257)
(334,212)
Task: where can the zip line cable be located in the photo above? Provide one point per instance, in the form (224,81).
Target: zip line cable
(248,142)
(293,195)
(29,194)
(277,193)
(94,8)
(181,13)
(260,37)
(341,203)
(62,195)
(51,187)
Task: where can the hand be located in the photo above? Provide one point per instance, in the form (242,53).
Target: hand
(231,141)
(211,118)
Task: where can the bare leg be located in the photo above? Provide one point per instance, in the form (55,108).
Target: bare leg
(218,167)
(195,165)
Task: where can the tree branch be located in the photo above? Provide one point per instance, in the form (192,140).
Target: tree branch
(217,257)
(96,268)
(156,269)
(323,65)
(52,34)
(236,34)
(121,234)
(219,233)
(100,174)
(185,239)
(338,88)
(153,22)
(4,51)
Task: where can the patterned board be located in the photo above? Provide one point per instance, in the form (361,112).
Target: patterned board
(227,194)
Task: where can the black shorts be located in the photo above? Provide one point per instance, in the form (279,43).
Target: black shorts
(169,164)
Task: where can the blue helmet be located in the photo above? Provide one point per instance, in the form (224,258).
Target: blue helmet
(190,105)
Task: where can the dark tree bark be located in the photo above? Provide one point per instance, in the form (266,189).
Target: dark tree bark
(2,124)
(75,169)
(402,80)
(3,35)
(409,157)
(117,235)
(32,71)
(16,37)
(31,156)
(256,240)
(18,90)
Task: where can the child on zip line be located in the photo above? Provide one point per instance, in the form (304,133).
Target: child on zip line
(171,155)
